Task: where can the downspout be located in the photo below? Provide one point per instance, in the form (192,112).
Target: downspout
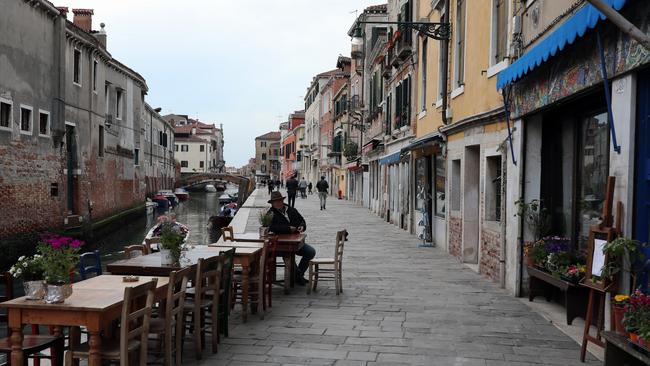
(504,221)
(444,49)
(522,196)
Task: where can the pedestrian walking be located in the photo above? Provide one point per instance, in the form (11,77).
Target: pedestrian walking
(322,188)
(270,185)
(309,187)
(287,220)
(292,187)
(277,185)
(303,188)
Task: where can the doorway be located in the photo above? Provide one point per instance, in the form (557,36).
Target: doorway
(471,204)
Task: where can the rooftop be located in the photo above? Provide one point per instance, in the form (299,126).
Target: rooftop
(274,135)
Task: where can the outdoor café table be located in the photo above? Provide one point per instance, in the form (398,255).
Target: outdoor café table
(248,258)
(288,244)
(150,264)
(94,304)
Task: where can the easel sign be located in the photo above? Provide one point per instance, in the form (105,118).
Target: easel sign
(597,259)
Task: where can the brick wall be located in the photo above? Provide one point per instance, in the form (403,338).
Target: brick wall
(489,259)
(455,236)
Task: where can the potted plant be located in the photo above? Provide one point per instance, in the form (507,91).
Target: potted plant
(265,218)
(618,308)
(30,270)
(535,216)
(59,258)
(616,251)
(637,313)
(537,252)
(171,243)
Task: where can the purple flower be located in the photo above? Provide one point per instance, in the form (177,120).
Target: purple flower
(76,244)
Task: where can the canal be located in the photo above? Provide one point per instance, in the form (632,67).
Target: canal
(195,213)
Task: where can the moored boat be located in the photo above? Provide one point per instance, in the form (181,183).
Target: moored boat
(153,235)
(224,217)
(182,194)
(225,198)
(169,195)
(162,202)
(210,188)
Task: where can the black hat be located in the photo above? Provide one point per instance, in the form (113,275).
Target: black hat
(275,195)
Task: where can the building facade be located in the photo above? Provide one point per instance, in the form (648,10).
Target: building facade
(289,156)
(267,156)
(199,146)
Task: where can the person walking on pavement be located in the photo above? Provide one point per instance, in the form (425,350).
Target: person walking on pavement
(303,188)
(309,187)
(287,220)
(270,185)
(292,187)
(322,188)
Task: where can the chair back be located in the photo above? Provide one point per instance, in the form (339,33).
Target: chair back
(136,317)
(208,278)
(227,233)
(90,263)
(226,276)
(135,250)
(176,294)
(341,238)
(6,280)
(269,254)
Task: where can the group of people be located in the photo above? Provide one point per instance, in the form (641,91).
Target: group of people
(274,185)
(293,186)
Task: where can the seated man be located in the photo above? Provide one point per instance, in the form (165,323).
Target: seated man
(287,220)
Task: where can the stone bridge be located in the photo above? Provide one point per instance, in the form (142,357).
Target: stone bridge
(245,185)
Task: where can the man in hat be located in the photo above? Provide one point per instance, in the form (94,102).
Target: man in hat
(287,220)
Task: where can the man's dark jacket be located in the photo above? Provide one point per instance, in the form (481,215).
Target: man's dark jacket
(280,225)
(322,185)
(292,185)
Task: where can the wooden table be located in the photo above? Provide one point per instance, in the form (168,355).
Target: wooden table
(288,244)
(249,258)
(619,351)
(150,264)
(94,304)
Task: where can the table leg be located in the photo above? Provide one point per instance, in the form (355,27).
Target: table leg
(244,292)
(288,271)
(95,343)
(17,345)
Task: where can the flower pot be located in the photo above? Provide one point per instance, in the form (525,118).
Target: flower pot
(643,343)
(166,258)
(530,262)
(34,290)
(619,311)
(56,294)
(264,231)
(634,337)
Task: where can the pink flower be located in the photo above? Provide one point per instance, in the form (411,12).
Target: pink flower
(76,244)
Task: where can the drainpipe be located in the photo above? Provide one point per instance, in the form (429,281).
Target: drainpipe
(522,196)
(444,49)
(623,24)
(504,220)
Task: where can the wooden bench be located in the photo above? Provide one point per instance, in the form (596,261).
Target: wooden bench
(575,296)
(619,351)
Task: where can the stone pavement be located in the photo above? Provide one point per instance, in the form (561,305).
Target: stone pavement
(402,305)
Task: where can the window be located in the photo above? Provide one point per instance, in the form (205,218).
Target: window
(263,168)
(183,163)
(455,185)
(175,147)
(43,123)
(25,119)
(136,156)
(263,144)
(441,76)
(263,156)
(423,82)
(5,114)
(459,62)
(95,75)
(118,105)
(185,148)
(439,184)
(76,72)
(100,148)
(493,188)
(499,31)
(202,148)
(389,106)
(201,164)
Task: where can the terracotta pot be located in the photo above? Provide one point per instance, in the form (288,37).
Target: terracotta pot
(643,343)
(634,337)
(619,311)
(530,262)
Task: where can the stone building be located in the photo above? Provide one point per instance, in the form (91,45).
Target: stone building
(71,126)
(267,156)
(199,146)
(289,154)
(157,152)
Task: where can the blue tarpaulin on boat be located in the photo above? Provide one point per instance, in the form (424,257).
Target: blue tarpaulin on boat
(576,26)
(390,158)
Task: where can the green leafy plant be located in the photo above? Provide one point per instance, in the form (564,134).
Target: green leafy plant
(535,216)
(350,149)
(171,239)
(617,250)
(59,257)
(537,251)
(265,218)
(28,268)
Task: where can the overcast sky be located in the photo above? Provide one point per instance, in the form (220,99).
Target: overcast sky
(243,63)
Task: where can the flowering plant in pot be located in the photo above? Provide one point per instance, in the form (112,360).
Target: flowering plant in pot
(265,218)
(620,302)
(637,314)
(536,253)
(171,243)
(30,270)
(59,257)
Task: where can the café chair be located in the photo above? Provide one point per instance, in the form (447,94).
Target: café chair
(170,327)
(203,304)
(334,273)
(226,290)
(227,233)
(261,281)
(95,266)
(134,329)
(33,344)
(135,250)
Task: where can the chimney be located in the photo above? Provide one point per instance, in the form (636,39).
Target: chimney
(101,35)
(63,10)
(83,18)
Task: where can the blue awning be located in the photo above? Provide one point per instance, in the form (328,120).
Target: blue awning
(576,26)
(390,158)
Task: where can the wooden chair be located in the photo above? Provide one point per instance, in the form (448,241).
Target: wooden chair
(135,250)
(270,265)
(205,302)
(226,287)
(170,327)
(227,233)
(134,329)
(95,266)
(317,273)
(33,344)
(261,282)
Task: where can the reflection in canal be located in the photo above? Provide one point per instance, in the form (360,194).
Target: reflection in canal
(194,213)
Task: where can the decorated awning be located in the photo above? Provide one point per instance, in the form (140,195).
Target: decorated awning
(576,26)
(390,158)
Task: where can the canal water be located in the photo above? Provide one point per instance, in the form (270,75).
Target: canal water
(195,213)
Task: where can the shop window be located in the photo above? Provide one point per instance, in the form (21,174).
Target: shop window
(493,188)
(455,185)
(439,184)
